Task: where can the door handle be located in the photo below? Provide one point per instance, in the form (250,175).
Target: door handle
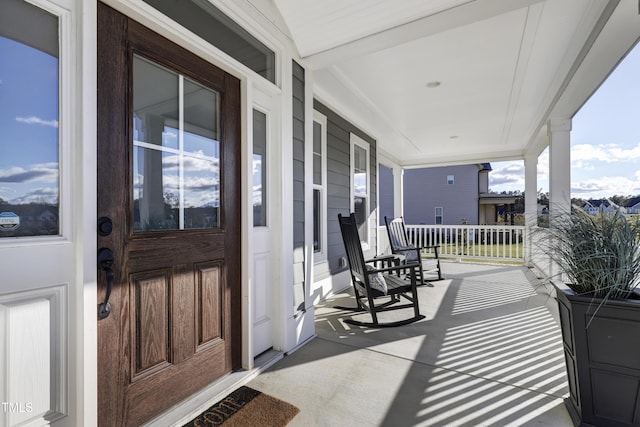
(105,262)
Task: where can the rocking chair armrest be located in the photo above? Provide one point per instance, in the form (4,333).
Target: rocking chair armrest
(380,258)
(434,247)
(402,267)
(430,247)
(388,260)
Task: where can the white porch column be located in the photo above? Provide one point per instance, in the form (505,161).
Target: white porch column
(559,175)
(398,191)
(559,167)
(530,201)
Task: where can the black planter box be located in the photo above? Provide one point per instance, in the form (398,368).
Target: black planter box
(603,359)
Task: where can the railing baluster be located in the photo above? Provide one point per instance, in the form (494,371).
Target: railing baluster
(480,241)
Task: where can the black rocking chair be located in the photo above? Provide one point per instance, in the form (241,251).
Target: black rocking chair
(399,243)
(371,283)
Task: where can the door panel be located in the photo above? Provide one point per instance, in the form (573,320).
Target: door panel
(208,298)
(169,179)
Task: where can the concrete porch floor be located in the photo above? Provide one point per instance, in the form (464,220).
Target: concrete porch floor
(489,353)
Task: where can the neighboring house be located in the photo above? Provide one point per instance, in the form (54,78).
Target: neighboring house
(194,156)
(595,206)
(451,195)
(633,206)
(47,216)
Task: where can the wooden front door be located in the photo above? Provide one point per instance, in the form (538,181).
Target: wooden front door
(169,209)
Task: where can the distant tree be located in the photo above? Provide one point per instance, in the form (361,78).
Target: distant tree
(519,203)
(621,200)
(577,201)
(543,198)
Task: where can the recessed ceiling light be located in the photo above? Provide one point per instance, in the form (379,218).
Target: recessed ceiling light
(433,84)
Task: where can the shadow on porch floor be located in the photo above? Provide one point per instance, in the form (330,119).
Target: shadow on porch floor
(489,353)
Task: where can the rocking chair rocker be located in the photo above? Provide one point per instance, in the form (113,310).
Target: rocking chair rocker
(371,284)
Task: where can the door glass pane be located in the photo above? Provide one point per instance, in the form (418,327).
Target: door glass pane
(202,192)
(29,99)
(155,104)
(201,106)
(201,162)
(259,169)
(176,151)
(155,190)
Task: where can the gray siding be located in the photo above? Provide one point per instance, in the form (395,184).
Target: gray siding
(338,182)
(298,188)
(427,188)
(386,192)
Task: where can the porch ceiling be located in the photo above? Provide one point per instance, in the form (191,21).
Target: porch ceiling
(503,67)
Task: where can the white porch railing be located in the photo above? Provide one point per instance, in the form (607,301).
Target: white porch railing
(493,242)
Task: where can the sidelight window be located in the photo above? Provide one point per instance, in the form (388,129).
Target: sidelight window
(29,118)
(259,169)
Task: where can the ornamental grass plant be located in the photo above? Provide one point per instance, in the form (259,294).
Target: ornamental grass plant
(600,255)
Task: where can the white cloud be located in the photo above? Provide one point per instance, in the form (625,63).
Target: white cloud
(583,154)
(40,195)
(510,174)
(257,195)
(257,165)
(192,164)
(606,186)
(44,172)
(169,134)
(33,120)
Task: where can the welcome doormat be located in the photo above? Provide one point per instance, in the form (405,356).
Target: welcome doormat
(246,407)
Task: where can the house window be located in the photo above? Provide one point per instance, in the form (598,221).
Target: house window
(29,113)
(450,179)
(360,186)
(439,215)
(319,186)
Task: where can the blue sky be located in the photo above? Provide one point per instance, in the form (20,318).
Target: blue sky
(29,123)
(605,142)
